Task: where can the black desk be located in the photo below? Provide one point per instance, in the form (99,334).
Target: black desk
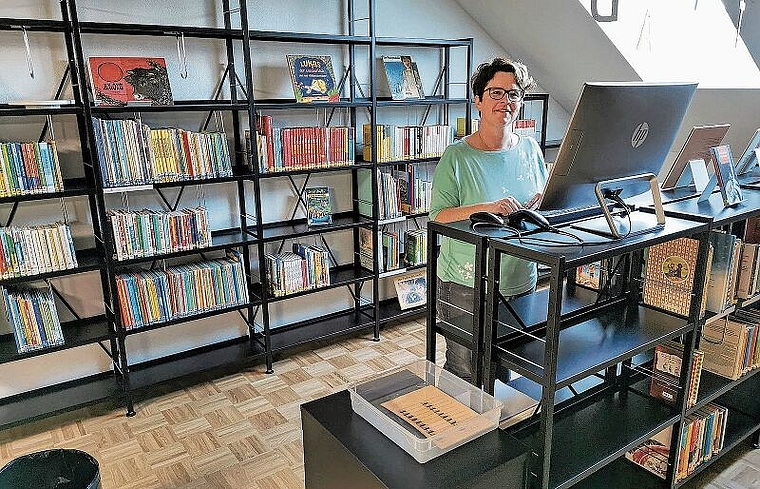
(343,451)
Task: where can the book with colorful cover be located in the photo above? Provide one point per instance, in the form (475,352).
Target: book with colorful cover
(313,78)
(724,171)
(403,78)
(411,290)
(653,454)
(669,275)
(318,206)
(589,275)
(125,80)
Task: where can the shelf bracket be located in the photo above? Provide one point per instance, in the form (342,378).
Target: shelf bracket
(436,87)
(12,213)
(171,207)
(62,299)
(59,91)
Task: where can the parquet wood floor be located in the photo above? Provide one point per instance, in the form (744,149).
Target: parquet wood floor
(243,430)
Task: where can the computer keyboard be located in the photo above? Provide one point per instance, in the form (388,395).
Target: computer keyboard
(560,216)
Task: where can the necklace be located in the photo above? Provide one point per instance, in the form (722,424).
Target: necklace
(510,145)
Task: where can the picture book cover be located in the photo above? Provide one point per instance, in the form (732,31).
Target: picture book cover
(589,275)
(724,170)
(404,80)
(669,275)
(652,455)
(121,80)
(313,78)
(411,290)
(318,206)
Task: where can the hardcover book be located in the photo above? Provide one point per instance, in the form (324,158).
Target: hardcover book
(724,170)
(125,80)
(666,366)
(653,454)
(589,275)
(411,290)
(669,275)
(403,78)
(313,78)
(318,206)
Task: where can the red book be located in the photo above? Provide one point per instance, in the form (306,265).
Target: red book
(121,80)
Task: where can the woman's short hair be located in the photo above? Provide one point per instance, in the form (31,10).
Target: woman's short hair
(486,71)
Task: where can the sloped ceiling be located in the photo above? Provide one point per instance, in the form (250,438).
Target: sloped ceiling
(564,46)
(558,40)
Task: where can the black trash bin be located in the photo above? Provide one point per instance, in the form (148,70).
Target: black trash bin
(51,469)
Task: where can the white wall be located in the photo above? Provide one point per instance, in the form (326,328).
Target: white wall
(206,58)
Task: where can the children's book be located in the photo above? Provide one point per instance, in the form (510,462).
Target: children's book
(589,275)
(403,78)
(411,290)
(724,170)
(125,80)
(318,206)
(313,78)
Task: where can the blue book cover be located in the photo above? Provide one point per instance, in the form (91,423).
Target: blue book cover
(313,78)
(403,78)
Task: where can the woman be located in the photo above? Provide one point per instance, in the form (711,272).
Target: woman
(492,170)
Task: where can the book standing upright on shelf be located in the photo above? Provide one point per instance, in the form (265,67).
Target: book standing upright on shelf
(724,171)
(403,78)
(411,290)
(318,206)
(313,78)
(125,80)
(669,275)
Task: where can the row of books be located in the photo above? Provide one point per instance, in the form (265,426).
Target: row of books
(301,148)
(399,192)
(462,126)
(306,267)
(415,247)
(149,232)
(31,311)
(31,250)
(731,345)
(29,168)
(131,153)
(389,255)
(400,143)
(155,296)
(666,370)
(702,436)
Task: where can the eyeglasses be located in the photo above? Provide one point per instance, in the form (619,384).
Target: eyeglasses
(513,95)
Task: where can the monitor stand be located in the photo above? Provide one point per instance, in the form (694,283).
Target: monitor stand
(615,225)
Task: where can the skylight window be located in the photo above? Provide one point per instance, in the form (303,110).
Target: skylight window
(682,40)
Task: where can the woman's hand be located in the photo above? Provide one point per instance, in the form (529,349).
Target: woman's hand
(505,206)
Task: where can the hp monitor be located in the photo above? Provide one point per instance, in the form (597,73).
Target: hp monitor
(617,130)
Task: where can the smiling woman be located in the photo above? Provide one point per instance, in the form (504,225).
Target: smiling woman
(493,170)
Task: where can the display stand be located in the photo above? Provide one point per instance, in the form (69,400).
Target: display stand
(629,223)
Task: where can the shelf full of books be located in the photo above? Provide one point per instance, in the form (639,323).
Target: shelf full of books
(284,149)
(153,297)
(130,153)
(29,168)
(147,232)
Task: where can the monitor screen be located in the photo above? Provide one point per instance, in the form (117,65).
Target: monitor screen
(748,160)
(617,130)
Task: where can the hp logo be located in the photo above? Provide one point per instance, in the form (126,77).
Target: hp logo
(639,134)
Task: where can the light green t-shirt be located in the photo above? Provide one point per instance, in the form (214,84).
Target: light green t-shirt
(466,176)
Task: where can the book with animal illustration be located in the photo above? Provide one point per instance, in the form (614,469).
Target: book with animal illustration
(125,80)
(313,78)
